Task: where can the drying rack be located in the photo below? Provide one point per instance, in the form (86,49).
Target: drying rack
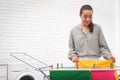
(45,67)
(25,58)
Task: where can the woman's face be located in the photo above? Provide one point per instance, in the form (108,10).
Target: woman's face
(86,17)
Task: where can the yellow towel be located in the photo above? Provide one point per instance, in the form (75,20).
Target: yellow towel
(95,64)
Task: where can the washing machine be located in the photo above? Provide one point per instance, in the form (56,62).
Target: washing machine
(18,71)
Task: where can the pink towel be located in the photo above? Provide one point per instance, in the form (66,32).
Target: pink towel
(103,75)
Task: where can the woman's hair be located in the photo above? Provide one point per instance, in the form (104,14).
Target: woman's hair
(87,7)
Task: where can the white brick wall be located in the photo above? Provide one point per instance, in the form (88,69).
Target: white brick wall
(41,27)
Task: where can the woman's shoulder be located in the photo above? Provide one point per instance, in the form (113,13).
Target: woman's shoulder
(97,26)
(76,27)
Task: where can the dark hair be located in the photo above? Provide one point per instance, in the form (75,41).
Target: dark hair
(87,7)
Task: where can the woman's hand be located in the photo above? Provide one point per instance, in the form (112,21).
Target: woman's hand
(112,58)
(75,59)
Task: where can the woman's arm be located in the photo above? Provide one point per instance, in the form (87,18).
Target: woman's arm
(72,55)
(104,49)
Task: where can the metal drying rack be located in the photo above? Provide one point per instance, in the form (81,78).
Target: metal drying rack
(42,69)
(18,57)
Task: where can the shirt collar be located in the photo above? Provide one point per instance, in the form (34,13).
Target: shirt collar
(86,31)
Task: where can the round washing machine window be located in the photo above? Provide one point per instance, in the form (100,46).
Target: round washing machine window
(27,76)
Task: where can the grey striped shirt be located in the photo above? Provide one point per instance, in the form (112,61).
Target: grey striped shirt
(87,44)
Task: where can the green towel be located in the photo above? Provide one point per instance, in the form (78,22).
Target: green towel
(70,75)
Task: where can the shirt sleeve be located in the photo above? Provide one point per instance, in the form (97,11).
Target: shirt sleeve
(104,49)
(72,51)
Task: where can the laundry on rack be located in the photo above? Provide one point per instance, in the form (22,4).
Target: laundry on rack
(99,64)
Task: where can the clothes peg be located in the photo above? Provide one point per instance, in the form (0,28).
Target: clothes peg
(57,65)
(111,65)
(94,66)
(62,65)
(51,66)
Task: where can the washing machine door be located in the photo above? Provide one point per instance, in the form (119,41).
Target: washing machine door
(27,76)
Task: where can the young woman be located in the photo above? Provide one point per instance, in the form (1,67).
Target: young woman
(87,40)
